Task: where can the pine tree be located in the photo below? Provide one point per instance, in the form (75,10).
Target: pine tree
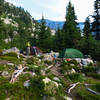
(1,6)
(10,32)
(44,35)
(96,16)
(87,30)
(59,41)
(71,33)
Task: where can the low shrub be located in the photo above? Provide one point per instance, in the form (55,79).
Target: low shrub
(2,67)
(97,86)
(77,69)
(94,75)
(30,61)
(86,95)
(76,77)
(73,62)
(8,58)
(48,62)
(35,68)
(11,54)
(33,60)
(89,69)
(37,86)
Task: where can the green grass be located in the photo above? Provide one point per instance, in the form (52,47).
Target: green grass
(2,67)
(94,75)
(84,94)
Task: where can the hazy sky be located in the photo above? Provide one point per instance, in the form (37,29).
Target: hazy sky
(55,9)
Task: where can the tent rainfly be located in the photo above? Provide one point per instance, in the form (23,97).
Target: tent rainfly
(70,53)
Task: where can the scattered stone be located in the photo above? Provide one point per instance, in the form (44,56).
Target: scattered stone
(19,67)
(56,79)
(72,65)
(24,62)
(27,83)
(42,72)
(10,64)
(8,99)
(71,71)
(46,80)
(33,74)
(83,74)
(48,57)
(44,98)
(5,74)
(98,71)
(67,98)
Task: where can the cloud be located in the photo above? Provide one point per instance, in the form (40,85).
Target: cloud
(15,2)
(55,9)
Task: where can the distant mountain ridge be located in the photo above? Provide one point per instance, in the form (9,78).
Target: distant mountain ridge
(55,24)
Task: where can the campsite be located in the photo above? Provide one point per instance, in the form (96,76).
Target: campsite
(49,50)
(51,74)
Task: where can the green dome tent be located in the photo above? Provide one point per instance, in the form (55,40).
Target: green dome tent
(70,53)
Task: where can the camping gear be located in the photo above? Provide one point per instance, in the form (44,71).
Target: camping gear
(71,53)
(36,51)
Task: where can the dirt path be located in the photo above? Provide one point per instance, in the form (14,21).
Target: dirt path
(56,71)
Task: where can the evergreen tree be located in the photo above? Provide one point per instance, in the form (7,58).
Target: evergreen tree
(59,41)
(1,6)
(10,32)
(96,16)
(71,33)
(34,38)
(87,30)
(44,35)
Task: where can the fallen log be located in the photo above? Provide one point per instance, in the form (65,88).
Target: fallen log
(72,86)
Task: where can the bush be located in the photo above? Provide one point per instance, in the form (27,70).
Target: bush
(89,69)
(2,67)
(76,77)
(37,86)
(30,61)
(77,69)
(86,95)
(33,60)
(8,58)
(73,62)
(35,68)
(48,62)
(11,54)
(98,87)
(94,75)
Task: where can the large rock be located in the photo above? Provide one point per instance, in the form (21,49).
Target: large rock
(50,86)
(13,49)
(86,62)
(70,71)
(5,74)
(56,79)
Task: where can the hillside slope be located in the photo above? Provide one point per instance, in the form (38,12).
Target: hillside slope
(55,24)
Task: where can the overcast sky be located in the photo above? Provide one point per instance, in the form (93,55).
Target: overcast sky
(55,9)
